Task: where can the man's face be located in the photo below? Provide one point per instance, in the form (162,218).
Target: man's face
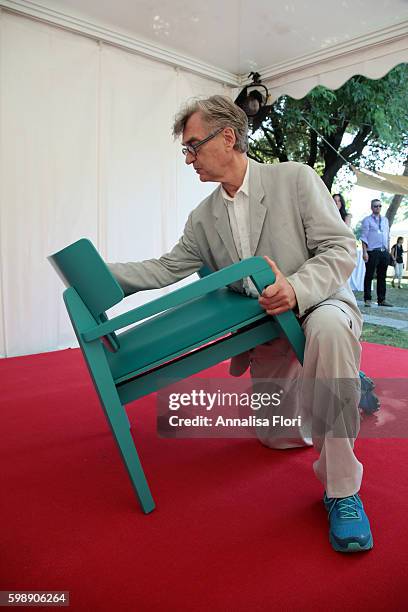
(213,157)
(376,207)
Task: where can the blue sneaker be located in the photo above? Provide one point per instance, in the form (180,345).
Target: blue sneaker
(349,526)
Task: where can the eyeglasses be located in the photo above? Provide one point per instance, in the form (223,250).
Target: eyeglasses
(377,205)
(192,148)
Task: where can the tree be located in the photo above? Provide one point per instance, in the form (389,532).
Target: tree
(374,113)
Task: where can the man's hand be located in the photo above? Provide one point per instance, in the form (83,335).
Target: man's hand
(280,296)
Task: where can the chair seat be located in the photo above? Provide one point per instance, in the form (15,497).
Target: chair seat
(164,336)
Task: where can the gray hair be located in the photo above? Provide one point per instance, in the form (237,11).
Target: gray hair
(217,112)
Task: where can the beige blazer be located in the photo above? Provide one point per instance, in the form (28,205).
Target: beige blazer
(293,220)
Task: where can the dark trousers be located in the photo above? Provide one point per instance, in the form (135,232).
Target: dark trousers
(377,261)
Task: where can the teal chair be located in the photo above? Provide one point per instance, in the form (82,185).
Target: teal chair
(204,315)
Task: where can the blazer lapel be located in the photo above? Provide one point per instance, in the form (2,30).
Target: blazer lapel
(222,225)
(257,210)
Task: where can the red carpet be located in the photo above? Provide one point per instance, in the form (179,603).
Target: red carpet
(238,526)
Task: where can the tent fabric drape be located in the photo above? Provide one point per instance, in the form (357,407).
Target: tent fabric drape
(398,179)
(373,62)
(382,181)
(86,150)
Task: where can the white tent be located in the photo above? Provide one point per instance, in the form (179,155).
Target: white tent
(382,181)
(400,229)
(88,91)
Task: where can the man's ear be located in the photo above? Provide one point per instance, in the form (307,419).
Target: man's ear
(229,138)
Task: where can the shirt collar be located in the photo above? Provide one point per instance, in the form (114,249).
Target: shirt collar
(244,187)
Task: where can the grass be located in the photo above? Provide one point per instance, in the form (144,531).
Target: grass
(380,334)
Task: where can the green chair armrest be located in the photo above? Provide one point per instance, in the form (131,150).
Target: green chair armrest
(254,267)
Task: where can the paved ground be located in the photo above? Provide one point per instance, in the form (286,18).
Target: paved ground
(374,316)
(379,309)
(394,323)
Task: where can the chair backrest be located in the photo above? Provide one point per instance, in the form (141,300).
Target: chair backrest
(80,266)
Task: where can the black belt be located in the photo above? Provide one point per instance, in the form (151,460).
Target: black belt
(377,250)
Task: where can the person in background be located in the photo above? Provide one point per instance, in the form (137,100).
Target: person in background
(397,251)
(348,219)
(341,205)
(375,238)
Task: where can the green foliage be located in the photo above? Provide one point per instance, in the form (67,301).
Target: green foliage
(365,119)
(402,213)
(357,231)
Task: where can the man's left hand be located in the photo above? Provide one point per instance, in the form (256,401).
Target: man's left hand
(280,296)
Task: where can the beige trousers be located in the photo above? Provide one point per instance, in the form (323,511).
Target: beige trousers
(325,394)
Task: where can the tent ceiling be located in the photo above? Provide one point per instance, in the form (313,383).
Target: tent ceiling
(227,40)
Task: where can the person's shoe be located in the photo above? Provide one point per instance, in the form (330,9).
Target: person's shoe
(392,284)
(349,525)
(367,303)
(385,303)
(399,287)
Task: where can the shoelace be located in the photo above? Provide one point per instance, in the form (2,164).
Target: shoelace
(347,507)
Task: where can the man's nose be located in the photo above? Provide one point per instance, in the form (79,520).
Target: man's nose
(189,158)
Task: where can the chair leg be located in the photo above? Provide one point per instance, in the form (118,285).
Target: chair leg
(119,423)
(118,420)
(104,384)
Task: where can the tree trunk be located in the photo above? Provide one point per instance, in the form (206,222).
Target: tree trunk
(351,153)
(313,149)
(331,171)
(396,200)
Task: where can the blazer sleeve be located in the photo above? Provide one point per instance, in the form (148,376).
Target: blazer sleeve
(331,243)
(184,259)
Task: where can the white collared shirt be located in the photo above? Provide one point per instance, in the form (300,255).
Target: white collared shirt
(375,232)
(238,213)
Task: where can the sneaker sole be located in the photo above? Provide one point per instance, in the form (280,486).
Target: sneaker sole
(351,547)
